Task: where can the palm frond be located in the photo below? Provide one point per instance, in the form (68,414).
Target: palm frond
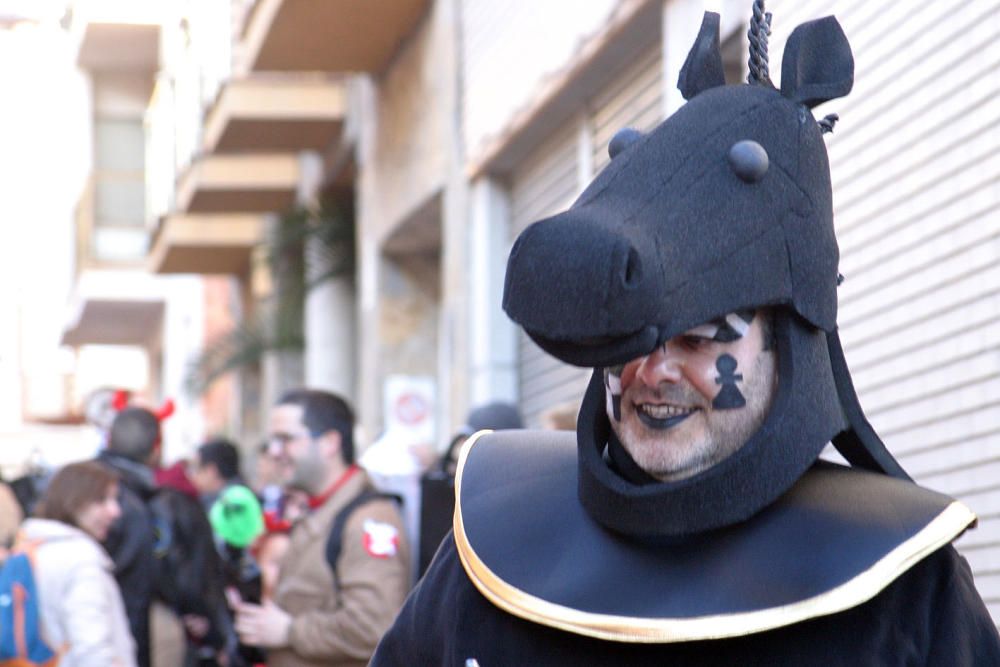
(305,248)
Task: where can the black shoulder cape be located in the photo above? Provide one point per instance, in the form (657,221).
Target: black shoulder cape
(833,542)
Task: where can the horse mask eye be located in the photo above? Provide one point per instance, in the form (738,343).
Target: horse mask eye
(748,160)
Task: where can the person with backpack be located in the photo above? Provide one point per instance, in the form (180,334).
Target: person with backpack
(80,612)
(437,485)
(237,522)
(162,548)
(132,452)
(234,512)
(346,571)
(189,587)
(215,468)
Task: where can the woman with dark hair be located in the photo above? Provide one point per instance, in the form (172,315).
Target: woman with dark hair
(81,609)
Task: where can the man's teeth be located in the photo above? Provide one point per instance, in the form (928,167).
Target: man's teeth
(664,411)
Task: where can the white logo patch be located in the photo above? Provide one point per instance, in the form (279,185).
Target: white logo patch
(381,540)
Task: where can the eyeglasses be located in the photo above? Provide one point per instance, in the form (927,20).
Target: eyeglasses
(277,442)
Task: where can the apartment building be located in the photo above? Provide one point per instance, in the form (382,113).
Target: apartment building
(127,328)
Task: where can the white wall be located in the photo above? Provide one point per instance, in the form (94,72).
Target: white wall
(510,49)
(183,337)
(45,159)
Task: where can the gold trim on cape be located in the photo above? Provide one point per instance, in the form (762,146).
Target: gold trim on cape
(950,523)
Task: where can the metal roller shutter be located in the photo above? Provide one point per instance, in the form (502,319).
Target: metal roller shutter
(916,170)
(633,99)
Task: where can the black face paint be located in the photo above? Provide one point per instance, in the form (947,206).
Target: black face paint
(729,397)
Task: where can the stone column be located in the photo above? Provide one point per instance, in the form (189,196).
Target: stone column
(330,320)
(492,336)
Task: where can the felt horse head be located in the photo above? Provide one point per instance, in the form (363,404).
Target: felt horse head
(725,205)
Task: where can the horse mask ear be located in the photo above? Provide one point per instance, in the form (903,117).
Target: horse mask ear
(703,67)
(817,65)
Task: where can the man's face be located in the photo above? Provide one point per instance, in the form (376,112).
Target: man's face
(695,400)
(95,518)
(205,476)
(298,453)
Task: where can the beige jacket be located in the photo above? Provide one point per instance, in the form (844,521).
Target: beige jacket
(80,603)
(331,628)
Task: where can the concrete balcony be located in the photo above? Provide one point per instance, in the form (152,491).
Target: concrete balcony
(328,35)
(206,244)
(115,36)
(239,183)
(114,308)
(276,114)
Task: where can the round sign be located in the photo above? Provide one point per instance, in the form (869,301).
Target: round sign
(411,409)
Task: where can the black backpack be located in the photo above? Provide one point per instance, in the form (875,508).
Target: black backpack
(334,541)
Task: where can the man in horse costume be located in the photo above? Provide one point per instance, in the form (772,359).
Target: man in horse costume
(690,521)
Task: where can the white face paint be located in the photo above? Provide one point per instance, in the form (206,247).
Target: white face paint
(613,392)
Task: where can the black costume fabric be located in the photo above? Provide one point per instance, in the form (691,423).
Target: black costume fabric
(931,615)
(837,537)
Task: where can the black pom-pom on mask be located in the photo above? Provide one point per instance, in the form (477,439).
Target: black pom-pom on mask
(748,160)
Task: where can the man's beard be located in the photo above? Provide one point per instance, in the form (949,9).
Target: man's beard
(308,473)
(672,454)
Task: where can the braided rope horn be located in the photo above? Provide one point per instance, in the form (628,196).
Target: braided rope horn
(760,29)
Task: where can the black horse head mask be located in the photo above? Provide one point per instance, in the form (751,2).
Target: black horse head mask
(726,205)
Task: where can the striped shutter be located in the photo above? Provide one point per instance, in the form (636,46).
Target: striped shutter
(633,99)
(550,179)
(916,169)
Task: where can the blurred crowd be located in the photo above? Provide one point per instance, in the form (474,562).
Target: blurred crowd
(299,554)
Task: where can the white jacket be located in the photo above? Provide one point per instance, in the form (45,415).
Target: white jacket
(81,605)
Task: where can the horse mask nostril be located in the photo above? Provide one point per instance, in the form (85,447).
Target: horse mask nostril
(632,275)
